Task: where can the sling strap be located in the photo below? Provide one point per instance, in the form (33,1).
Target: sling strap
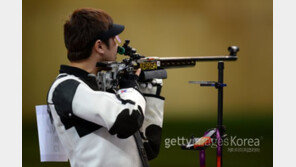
(141,149)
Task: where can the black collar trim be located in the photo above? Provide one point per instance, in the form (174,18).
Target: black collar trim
(88,78)
(74,71)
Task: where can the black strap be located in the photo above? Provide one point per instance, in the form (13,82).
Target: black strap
(141,149)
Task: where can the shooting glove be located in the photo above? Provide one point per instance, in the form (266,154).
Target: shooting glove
(128,81)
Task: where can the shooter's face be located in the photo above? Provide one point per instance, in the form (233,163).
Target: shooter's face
(110,53)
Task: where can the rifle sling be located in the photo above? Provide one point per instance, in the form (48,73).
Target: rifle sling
(141,149)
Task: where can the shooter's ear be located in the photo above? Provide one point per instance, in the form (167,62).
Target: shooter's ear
(98,47)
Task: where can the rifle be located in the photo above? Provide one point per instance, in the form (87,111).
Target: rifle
(155,67)
(151,67)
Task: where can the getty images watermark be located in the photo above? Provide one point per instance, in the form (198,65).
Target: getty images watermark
(233,143)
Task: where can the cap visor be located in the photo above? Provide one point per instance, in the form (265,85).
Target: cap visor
(116,29)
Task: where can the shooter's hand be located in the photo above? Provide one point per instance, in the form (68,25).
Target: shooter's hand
(138,72)
(129,80)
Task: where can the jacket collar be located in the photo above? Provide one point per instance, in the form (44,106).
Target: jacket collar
(78,72)
(88,78)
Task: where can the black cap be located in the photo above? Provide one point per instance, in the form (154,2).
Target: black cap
(114,30)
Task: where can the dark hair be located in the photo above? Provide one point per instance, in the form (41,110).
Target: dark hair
(81,30)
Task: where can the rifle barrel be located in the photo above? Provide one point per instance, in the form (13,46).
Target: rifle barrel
(200,58)
(175,62)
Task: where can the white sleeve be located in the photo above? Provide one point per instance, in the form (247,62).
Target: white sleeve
(153,113)
(103,108)
(152,126)
(121,113)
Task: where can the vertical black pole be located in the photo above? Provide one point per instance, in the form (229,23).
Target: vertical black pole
(220,108)
(220,94)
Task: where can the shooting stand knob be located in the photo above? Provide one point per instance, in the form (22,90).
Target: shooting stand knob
(233,50)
